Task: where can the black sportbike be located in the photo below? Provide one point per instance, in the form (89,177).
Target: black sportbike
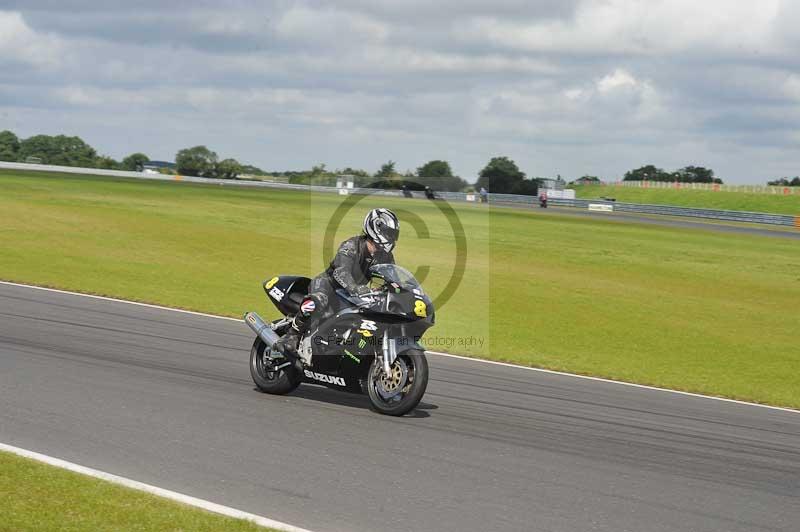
(367,344)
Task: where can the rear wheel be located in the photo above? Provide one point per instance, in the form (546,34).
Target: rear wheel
(267,378)
(401,391)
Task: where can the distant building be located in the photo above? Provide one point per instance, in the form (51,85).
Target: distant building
(157,165)
(554,189)
(552,184)
(152,167)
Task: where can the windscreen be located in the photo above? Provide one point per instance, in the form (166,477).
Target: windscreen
(391,273)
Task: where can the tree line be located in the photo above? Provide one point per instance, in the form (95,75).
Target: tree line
(436,174)
(500,175)
(60,150)
(785,182)
(688,174)
(63,150)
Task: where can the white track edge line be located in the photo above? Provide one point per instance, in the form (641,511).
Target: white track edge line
(153,490)
(104,298)
(438,353)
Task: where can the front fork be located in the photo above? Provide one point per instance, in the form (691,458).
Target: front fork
(389,348)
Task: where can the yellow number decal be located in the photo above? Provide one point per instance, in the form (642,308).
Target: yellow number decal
(421,309)
(271,283)
(365,333)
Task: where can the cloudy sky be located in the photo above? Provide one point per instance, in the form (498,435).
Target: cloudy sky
(562,86)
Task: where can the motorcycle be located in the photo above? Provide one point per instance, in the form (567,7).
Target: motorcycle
(367,345)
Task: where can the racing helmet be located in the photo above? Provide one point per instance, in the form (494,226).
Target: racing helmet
(382,227)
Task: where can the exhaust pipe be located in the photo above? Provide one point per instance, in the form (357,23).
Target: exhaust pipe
(262,329)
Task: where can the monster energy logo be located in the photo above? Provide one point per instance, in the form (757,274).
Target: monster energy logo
(351,355)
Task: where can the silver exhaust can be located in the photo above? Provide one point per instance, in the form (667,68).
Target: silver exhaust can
(261,328)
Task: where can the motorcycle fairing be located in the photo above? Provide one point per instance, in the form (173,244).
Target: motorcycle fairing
(287,292)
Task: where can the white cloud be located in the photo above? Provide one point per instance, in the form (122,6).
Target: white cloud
(20,44)
(329,26)
(616,80)
(641,27)
(791,87)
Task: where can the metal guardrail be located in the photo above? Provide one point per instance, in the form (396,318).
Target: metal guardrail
(667,210)
(692,212)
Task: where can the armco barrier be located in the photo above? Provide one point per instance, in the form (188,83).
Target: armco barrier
(667,210)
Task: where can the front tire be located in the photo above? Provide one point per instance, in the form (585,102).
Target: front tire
(414,365)
(268,380)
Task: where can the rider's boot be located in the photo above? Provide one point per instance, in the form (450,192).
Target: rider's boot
(289,342)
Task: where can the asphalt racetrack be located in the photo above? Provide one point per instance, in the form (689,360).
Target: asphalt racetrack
(166,398)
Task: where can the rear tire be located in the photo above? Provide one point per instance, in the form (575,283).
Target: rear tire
(411,395)
(278,382)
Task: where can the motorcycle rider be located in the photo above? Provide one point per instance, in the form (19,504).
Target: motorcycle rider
(348,270)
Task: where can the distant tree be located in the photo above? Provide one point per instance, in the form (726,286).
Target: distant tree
(353,171)
(318,170)
(134,161)
(59,150)
(227,169)
(688,174)
(501,175)
(106,163)
(250,169)
(785,182)
(197,161)
(694,174)
(586,180)
(9,146)
(647,173)
(387,170)
(435,168)
(438,175)
(527,187)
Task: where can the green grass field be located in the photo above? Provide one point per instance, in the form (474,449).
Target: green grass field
(694,310)
(35,497)
(734,201)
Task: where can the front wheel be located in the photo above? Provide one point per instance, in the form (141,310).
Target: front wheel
(266,377)
(398,393)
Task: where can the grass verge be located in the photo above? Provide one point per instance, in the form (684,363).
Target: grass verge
(732,201)
(37,497)
(693,310)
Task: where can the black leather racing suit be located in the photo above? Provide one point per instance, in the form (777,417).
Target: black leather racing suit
(348,270)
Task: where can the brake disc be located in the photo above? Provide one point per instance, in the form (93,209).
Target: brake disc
(391,385)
